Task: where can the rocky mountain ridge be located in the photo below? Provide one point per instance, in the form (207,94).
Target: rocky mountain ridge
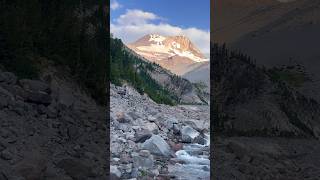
(175,53)
(183,90)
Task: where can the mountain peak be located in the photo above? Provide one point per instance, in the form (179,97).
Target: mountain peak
(175,53)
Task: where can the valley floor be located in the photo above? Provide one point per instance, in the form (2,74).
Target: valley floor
(266,158)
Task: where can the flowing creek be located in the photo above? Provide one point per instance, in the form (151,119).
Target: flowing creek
(195,162)
(193,159)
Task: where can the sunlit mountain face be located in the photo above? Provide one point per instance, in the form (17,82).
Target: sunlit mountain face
(175,53)
(273,32)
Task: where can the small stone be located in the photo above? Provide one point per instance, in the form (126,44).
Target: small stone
(154,172)
(152,119)
(143,162)
(6,155)
(123,118)
(152,127)
(141,137)
(144,153)
(188,134)
(176,129)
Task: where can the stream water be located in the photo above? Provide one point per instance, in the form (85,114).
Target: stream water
(195,162)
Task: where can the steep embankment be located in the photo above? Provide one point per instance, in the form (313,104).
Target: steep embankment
(50,129)
(151,140)
(256,101)
(265,128)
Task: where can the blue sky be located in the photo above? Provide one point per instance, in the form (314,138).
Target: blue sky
(132,19)
(176,12)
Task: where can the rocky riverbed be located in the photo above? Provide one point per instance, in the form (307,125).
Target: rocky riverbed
(155,141)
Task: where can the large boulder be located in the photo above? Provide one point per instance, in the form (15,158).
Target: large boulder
(8,78)
(34,85)
(143,160)
(76,169)
(157,146)
(38,98)
(188,134)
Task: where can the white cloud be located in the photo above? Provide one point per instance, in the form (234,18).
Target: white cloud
(136,23)
(136,17)
(115,5)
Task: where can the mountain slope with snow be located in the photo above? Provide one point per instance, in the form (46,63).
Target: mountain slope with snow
(175,53)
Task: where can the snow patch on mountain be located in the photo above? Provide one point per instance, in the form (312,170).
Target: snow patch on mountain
(157,38)
(160,50)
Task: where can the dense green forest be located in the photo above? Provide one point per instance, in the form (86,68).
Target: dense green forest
(129,68)
(70,33)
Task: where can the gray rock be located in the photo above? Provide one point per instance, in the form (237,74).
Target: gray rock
(124,127)
(123,117)
(239,149)
(152,127)
(143,162)
(151,118)
(200,139)
(188,134)
(4,102)
(8,78)
(6,93)
(38,98)
(134,172)
(76,169)
(157,145)
(141,138)
(66,97)
(34,85)
(114,171)
(144,153)
(6,155)
(176,129)
(133,115)
(171,122)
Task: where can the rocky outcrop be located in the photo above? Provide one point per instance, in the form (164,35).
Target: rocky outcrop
(50,129)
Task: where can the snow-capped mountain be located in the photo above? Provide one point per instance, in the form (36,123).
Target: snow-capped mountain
(175,53)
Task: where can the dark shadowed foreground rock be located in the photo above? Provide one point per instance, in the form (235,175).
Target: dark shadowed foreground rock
(76,169)
(41,138)
(34,85)
(266,158)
